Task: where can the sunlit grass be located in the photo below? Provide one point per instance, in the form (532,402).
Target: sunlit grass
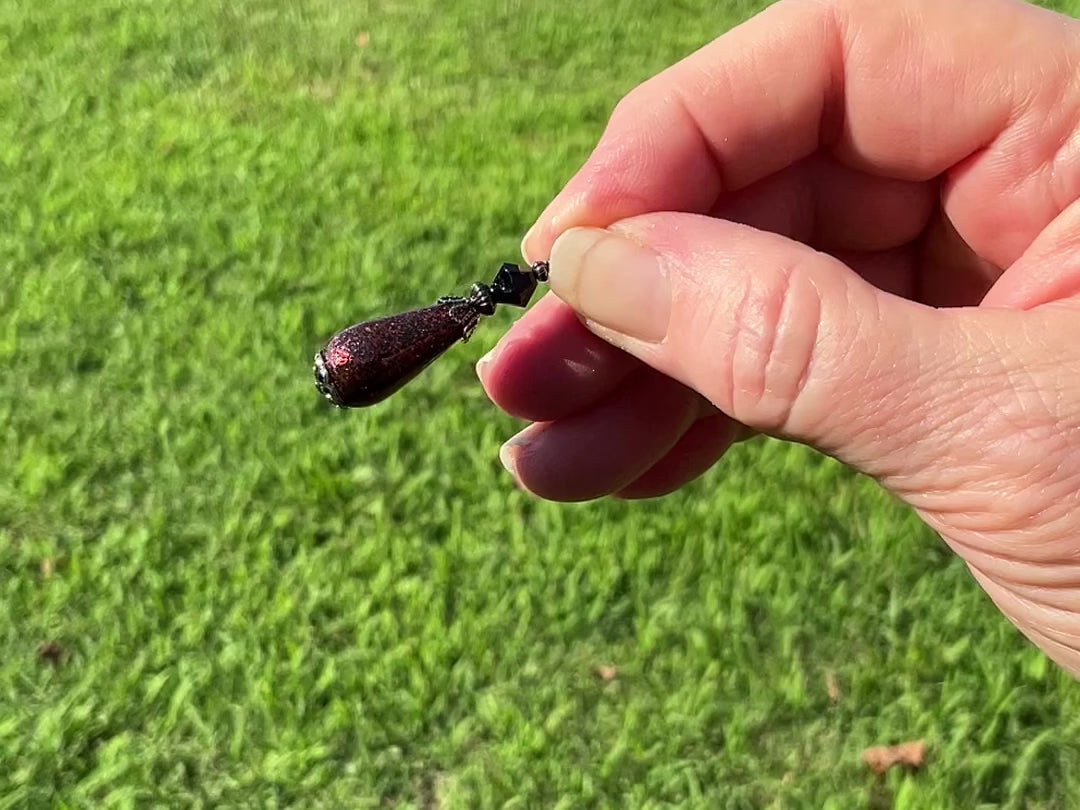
(260,601)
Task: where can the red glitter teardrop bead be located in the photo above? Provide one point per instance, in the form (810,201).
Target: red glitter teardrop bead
(369,361)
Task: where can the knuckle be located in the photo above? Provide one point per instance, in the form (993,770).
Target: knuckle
(772,330)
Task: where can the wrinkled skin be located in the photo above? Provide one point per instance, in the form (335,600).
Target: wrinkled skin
(864,235)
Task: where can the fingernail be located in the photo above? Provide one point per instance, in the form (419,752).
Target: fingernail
(525,243)
(612,281)
(508,456)
(483,364)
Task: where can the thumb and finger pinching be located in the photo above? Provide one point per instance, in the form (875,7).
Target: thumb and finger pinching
(970,415)
(780,337)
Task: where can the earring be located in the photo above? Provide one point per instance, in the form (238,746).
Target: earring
(369,361)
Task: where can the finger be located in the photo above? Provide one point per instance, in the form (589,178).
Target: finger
(901,90)
(830,206)
(604,448)
(549,365)
(698,450)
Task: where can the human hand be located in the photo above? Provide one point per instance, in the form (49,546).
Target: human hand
(853,225)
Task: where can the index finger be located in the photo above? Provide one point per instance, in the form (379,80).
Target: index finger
(905,90)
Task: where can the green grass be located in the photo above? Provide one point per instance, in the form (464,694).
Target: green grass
(265,602)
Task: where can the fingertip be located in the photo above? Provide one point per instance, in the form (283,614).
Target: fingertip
(569,208)
(483,367)
(607,188)
(548,365)
(508,457)
(602,450)
(529,250)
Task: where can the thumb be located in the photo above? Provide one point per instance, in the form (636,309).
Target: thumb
(780,337)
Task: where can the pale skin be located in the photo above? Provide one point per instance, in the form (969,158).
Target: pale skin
(848,224)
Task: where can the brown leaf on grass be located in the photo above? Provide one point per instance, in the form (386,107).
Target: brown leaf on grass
(51,565)
(434,788)
(832,686)
(605,672)
(51,652)
(362,39)
(322,90)
(882,757)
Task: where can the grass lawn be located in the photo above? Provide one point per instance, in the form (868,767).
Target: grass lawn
(218,591)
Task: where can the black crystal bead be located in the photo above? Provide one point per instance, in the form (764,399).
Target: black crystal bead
(513,286)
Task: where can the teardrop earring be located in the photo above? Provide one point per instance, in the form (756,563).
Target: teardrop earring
(369,361)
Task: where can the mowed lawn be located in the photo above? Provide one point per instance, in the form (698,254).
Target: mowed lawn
(218,591)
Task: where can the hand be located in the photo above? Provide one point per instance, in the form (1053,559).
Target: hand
(853,225)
